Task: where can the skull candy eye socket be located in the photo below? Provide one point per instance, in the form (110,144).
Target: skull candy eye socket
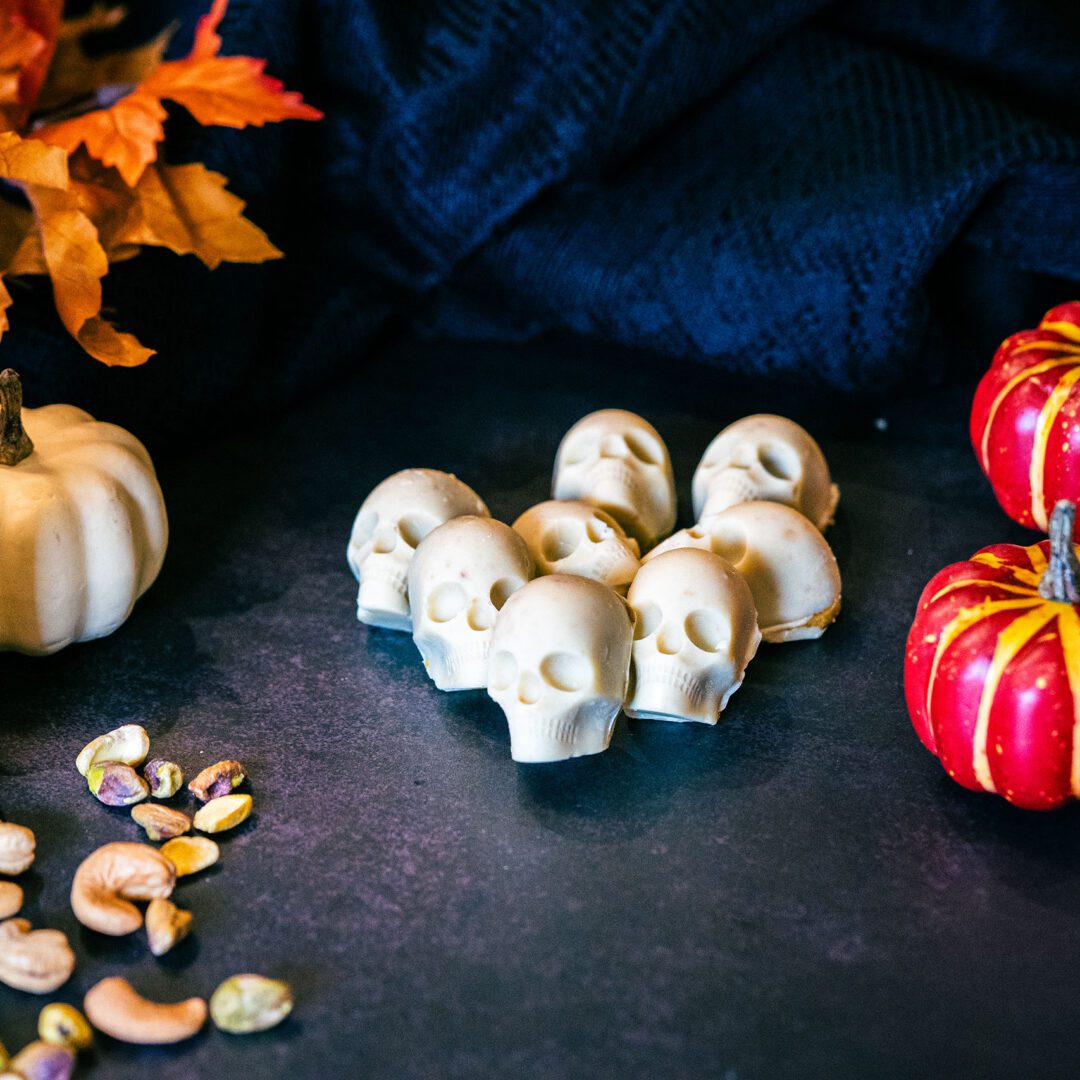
(646,622)
(502,590)
(779,461)
(561,540)
(446,602)
(705,630)
(502,671)
(643,448)
(414,527)
(565,671)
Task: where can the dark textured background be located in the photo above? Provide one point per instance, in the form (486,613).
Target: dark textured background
(860,195)
(797,892)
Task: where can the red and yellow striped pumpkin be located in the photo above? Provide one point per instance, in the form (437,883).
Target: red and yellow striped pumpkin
(992,672)
(1025,420)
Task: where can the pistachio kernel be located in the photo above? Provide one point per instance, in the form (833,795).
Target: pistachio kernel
(166,924)
(164,778)
(225,812)
(64,1025)
(247,1003)
(190,854)
(216,780)
(160,822)
(43,1061)
(115,784)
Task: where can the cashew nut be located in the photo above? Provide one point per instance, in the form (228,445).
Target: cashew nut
(37,961)
(111,877)
(16,848)
(115,1007)
(11,899)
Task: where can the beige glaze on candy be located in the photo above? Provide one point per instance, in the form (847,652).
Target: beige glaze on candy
(560,660)
(785,560)
(82,528)
(765,458)
(462,574)
(617,461)
(695,633)
(391,522)
(570,537)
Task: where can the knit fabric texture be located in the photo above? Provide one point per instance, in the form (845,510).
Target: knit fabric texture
(851,195)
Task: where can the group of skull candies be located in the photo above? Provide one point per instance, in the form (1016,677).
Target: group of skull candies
(589,604)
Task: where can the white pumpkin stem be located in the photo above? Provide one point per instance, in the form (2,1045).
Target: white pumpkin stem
(15,444)
(1061,582)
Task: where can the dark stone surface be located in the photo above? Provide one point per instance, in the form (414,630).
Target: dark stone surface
(798,891)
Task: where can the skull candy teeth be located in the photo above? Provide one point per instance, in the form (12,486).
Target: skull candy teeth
(392,521)
(617,461)
(568,537)
(696,630)
(765,458)
(461,575)
(559,665)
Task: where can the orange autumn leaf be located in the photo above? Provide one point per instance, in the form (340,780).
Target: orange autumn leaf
(5,303)
(27,161)
(77,262)
(187,209)
(21,46)
(125,135)
(226,91)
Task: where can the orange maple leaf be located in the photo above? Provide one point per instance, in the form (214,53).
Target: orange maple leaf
(227,91)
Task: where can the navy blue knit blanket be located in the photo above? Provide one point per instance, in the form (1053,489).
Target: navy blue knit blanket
(852,194)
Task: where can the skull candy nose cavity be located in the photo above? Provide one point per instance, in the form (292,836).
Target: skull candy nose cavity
(481,615)
(529,689)
(597,531)
(670,640)
(386,540)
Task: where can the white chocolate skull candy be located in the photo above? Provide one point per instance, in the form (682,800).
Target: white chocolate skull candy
(461,575)
(617,461)
(569,537)
(765,458)
(695,632)
(785,560)
(392,520)
(559,664)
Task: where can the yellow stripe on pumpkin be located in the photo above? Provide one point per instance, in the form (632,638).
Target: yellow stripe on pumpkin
(1069,628)
(1068,330)
(1037,558)
(1010,641)
(1015,381)
(964,620)
(1028,577)
(1043,429)
(1022,590)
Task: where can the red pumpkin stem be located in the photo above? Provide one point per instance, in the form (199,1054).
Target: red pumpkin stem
(15,444)
(1061,582)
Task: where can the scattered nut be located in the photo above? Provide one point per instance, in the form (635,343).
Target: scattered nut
(224,812)
(247,1003)
(115,1007)
(16,848)
(44,1061)
(64,1025)
(37,961)
(217,780)
(164,778)
(111,877)
(166,924)
(116,785)
(127,745)
(4,1058)
(190,854)
(11,899)
(160,822)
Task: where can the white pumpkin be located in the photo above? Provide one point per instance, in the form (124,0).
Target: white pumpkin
(83,529)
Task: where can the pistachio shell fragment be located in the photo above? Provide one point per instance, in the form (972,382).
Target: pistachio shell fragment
(64,1025)
(166,924)
(216,780)
(115,784)
(160,822)
(44,1061)
(164,778)
(17,845)
(127,745)
(190,854)
(247,1003)
(223,813)
(11,899)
